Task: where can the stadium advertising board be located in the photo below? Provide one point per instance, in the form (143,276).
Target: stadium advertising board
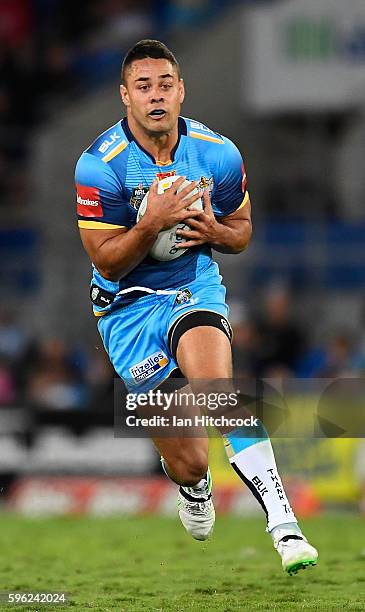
(302,56)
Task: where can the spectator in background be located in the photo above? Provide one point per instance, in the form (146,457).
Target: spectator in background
(279,340)
(54,380)
(13,344)
(244,340)
(15,119)
(51,374)
(47,48)
(13,341)
(342,356)
(100,377)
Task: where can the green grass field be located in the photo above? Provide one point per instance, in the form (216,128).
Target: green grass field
(150,564)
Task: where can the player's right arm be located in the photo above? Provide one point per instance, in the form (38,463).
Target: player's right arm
(116,252)
(113,246)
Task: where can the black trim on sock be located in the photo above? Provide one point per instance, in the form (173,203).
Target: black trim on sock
(290,537)
(252,488)
(194,499)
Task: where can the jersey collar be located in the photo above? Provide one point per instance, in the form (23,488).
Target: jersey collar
(182,131)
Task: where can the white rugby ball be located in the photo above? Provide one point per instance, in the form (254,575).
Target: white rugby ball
(164,247)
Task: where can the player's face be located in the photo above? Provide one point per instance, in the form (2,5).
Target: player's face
(153,94)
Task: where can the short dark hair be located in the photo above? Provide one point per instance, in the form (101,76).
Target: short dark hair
(149,48)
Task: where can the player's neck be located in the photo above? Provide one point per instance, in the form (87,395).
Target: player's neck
(159,146)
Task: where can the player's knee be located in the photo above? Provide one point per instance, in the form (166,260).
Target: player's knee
(191,467)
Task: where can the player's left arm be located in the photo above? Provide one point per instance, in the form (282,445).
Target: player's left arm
(225,223)
(230,234)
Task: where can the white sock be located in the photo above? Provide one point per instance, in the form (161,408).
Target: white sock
(202,489)
(254,462)
(200,486)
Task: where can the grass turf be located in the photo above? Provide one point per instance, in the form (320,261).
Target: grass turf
(149,564)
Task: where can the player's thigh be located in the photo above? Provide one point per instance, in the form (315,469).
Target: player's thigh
(134,338)
(204,352)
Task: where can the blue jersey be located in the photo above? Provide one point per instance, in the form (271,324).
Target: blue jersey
(114,174)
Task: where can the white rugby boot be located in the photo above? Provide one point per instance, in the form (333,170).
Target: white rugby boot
(295,551)
(196,509)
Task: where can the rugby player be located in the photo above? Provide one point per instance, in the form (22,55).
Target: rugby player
(171,316)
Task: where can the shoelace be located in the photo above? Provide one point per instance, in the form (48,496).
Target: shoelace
(194,496)
(198,507)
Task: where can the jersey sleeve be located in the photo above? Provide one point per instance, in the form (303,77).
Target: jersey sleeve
(231,183)
(100,199)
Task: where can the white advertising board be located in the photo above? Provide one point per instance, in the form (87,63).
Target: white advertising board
(304,55)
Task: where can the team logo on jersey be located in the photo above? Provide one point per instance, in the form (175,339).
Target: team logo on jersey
(94,293)
(162,175)
(138,194)
(183,296)
(88,201)
(206,183)
(149,366)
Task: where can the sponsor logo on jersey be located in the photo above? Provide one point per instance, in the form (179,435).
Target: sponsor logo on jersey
(137,196)
(162,175)
(206,183)
(149,366)
(195,125)
(88,201)
(183,296)
(112,138)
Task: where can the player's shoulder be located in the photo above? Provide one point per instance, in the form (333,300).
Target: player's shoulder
(108,144)
(94,161)
(200,133)
(220,148)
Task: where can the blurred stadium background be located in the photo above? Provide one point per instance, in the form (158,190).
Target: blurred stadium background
(286,81)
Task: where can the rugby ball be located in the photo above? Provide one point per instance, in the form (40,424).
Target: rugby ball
(164,247)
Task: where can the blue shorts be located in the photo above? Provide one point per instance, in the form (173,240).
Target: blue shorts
(136,336)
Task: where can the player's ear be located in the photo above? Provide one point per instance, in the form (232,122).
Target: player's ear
(181,90)
(124,95)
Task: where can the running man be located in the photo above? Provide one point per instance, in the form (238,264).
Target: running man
(173,314)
